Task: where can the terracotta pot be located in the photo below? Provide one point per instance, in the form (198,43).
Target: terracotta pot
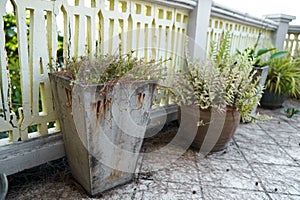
(217,130)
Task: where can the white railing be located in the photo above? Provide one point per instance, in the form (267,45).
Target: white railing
(244,28)
(292,42)
(7,118)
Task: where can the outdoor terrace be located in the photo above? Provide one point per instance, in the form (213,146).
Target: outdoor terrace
(262,162)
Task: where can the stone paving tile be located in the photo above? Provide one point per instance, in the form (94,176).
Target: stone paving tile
(231,152)
(284,197)
(232,174)
(277,126)
(294,122)
(293,151)
(156,161)
(167,191)
(191,153)
(167,149)
(165,144)
(279,179)
(217,193)
(286,138)
(46,190)
(250,126)
(271,154)
(181,171)
(126,191)
(160,161)
(158,141)
(249,136)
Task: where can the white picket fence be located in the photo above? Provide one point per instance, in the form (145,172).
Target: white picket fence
(155,29)
(292,42)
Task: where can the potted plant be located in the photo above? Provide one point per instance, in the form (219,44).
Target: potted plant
(261,59)
(215,95)
(283,80)
(103,106)
(259,65)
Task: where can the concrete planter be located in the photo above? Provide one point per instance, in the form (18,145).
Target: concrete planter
(263,73)
(102,130)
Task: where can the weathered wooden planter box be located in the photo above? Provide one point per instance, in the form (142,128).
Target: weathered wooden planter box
(102,130)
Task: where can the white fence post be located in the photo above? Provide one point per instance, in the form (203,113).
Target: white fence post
(283,26)
(197,28)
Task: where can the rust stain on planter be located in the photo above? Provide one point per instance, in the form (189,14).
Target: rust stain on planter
(101,108)
(104,108)
(98,109)
(115,175)
(108,102)
(141,98)
(69,97)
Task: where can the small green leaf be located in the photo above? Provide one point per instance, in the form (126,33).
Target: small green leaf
(264,51)
(11,32)
(290,112)
(278,54)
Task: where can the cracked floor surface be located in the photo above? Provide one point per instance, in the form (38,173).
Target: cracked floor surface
(261,162)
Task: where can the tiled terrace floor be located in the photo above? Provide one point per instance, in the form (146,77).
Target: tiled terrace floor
(262,162)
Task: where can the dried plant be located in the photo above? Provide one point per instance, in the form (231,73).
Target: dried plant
(109,69)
